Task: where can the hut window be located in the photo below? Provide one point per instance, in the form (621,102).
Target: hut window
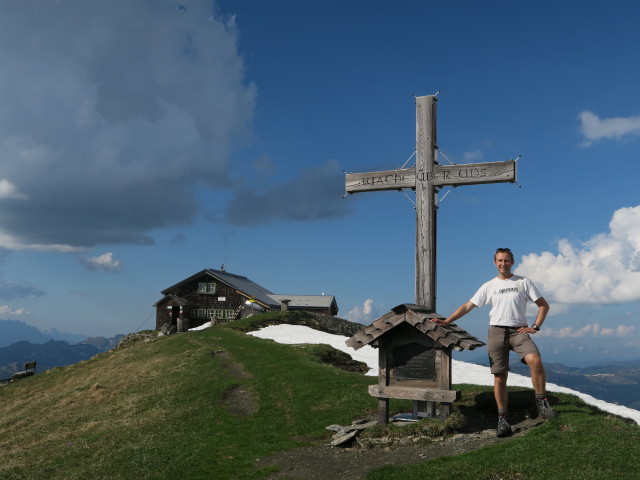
(206,287)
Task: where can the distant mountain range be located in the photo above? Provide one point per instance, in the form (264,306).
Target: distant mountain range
(20,343)
(617,382)
(12,331)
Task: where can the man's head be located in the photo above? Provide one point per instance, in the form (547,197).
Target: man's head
(503,259)
(503,250)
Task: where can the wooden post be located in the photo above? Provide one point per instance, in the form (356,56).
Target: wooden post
(425,216)
(425,202)
(445,380)
(383,379)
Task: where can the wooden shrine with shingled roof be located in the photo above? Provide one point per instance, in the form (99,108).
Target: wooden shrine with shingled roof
(414,361)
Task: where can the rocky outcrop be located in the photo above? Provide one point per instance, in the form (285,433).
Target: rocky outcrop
(132,339)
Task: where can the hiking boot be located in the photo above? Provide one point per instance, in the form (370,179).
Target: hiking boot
(504,429)
(544,409)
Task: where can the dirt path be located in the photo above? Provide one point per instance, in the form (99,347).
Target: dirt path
(323,462)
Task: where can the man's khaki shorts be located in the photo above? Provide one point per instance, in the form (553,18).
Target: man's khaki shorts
(501,341)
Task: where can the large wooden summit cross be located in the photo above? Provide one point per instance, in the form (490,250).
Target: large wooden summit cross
(425,179)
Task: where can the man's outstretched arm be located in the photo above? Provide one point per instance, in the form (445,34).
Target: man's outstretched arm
(461,311)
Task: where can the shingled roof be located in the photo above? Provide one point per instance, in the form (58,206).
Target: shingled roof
(450,336)
(241,284)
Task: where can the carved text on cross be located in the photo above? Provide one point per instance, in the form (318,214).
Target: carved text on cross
(454,175)
(424,179)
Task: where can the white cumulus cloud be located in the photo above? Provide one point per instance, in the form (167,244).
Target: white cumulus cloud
(592,330)
(365,314)
(595,128)
(104,262)
(603,270)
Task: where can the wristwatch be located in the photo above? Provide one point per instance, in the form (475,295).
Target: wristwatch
(535,327)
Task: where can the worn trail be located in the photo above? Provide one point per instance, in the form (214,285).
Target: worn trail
(323,462)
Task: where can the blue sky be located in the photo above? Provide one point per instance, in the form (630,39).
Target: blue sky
(141,142)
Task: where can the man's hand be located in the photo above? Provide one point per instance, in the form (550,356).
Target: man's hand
(527,330)
(440,321)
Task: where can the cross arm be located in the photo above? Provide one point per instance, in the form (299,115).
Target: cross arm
(442,175)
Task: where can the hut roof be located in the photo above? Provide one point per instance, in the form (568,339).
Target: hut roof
(241,284)
(418,316)
(309,301)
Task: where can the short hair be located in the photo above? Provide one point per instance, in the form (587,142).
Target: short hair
(503,250)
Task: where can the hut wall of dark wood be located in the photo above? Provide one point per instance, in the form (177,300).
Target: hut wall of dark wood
(221,302)
(167,313)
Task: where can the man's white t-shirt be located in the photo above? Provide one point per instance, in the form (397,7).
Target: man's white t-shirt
(508,299)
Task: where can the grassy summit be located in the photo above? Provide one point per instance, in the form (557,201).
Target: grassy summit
(208,404)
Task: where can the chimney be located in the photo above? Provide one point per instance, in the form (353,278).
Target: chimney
(284,305)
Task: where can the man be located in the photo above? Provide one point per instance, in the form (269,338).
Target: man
(508,295)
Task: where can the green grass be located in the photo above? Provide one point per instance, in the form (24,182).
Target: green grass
(162,410)
(581,443)
(158,410)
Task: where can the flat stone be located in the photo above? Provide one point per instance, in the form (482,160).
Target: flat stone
(344,438)
(362,426)
(334,428)
(369,424)
(361,421)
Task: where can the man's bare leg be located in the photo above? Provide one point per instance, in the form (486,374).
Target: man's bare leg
(539,382)
(502,400)
(500,390)
(538,374)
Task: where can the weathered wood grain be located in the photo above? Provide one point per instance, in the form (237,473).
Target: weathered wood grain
(442,176)
(409,393)
(425,202)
